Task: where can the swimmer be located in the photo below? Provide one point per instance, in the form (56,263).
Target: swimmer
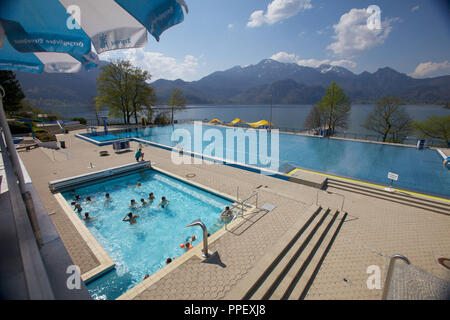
(88,199)
(151,197)
(168,260)
(136,186)
(87,217)
(143,202)
(164,202)
(187,246)
(133,203)
(77,197)
(130,218)
(226,214)
(107,197)
(78,207)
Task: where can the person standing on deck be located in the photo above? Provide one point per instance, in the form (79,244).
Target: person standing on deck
(139,155)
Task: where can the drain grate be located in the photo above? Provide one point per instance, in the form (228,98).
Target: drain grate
(445,262)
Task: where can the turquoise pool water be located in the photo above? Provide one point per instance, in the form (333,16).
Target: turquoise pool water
(419,170)
(143,248)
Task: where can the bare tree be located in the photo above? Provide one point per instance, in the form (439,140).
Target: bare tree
(389,118)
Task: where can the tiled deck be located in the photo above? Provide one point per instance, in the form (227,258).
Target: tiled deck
(374,229)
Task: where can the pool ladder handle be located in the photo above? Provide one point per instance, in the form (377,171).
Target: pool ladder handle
(242,204)
(387,281)
(199,223)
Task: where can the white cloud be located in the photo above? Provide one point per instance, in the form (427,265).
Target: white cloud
(159,65)
(314,63)
(285,57)
(414,9)
(230,26)
(353,36)
(278,10)
(431,69)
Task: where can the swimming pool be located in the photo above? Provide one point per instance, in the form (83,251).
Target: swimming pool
(419,170)
(142,248)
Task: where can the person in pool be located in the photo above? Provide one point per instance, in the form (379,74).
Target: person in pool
(107,197)
(130,218)
(88,199)
(77,197)
(143,202)
(133,203)
(151,197)
(136,186)
(88,218)
(78,207)
(164,203)
(226,214)
(139,155)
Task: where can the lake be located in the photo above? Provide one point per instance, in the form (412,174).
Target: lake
(288,116)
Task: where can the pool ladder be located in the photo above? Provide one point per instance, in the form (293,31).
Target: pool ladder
(387,282)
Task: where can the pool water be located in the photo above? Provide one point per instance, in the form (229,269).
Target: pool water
(419,170)
(143,248)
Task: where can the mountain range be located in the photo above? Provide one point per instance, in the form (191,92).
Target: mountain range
(262,83)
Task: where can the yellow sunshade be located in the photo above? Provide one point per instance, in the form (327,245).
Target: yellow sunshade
(236,121)
(215,120)
(260,123)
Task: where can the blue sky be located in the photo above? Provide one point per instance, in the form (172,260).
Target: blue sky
(216,35)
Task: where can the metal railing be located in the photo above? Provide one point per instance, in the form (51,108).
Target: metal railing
(387,281)
(332,193)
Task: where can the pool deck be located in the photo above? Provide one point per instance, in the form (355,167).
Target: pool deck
(374,230)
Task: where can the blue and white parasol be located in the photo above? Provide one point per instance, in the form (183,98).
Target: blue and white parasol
(60,35)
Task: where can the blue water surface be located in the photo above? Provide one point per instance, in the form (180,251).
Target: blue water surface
(143,248)
(419,170)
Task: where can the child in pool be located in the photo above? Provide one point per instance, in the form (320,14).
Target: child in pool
(164,203)
(130,218)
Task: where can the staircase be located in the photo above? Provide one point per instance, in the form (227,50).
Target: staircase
(288,270)
(398,197)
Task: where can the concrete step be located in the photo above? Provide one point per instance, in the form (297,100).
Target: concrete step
(301,259)
(290,267)
(402,198)
(246,287)
(305,280)
(275,274)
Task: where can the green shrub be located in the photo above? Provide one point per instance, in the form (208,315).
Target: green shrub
(80,120)
(45,136)
(17,127)
(161,119)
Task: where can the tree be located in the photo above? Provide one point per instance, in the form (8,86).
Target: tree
(314,120)
(334,108)
(389,118)
(124,89)
(434,127)
(176,102)
(142,94)
(148,108)
(13,91)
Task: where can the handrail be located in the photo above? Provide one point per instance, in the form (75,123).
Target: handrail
(387,281)
(242,204)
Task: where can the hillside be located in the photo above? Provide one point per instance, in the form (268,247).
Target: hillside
(283,83)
